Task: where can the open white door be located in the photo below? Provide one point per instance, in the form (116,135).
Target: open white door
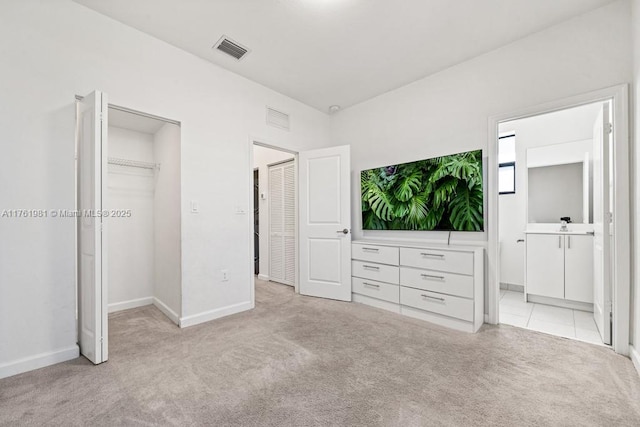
(602,216)
(92,268)
(325,223)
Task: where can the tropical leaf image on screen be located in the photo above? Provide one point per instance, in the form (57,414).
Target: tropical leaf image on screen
(444,193)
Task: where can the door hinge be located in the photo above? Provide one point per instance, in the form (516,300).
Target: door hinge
(609,307)
(609,128)
(610,217)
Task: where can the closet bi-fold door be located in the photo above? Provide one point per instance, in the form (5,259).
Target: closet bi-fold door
(92,266)
(282,223)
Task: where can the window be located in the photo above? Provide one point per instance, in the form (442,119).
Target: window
(507,164)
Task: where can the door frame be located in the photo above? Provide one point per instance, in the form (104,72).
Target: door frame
(263,142)
(621,266)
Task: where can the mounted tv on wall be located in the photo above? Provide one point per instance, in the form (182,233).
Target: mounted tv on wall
(442,193)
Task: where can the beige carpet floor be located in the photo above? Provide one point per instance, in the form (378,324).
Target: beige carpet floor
(300,361)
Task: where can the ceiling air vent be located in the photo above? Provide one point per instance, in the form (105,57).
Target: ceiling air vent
(231,48)
(277,119)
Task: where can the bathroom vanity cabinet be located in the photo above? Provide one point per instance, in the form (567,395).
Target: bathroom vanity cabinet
(560,265)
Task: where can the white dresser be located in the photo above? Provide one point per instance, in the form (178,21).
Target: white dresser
(442,284)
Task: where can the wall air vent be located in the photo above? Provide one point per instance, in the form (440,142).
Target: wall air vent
(231,48)
(278,119)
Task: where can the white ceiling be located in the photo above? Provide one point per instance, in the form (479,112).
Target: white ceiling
(325,52)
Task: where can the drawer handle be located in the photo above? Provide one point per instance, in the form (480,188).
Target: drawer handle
(428,254)
(373,267)
(371,249)
(431,276)
(429,296)
(371,284)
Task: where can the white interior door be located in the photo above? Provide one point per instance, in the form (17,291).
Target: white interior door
(92,267)
(282,223)
(325,223)
(601,220)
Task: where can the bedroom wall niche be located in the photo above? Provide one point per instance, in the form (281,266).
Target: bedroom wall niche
(143,200)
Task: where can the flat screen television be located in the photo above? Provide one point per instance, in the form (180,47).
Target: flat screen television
(442,193)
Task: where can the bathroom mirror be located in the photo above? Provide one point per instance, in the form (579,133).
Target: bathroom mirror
(559,183)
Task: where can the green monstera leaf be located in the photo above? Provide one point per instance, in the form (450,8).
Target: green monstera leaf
(372,222)
(407,186)
(466,209)
(418,211)
(381,203)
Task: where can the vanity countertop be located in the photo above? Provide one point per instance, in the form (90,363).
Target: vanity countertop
(574,232)
(576,229)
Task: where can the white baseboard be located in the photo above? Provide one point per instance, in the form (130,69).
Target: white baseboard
(206,316)
(635,357)
(164,308)
(263,277)
(564,303)
(125,305)
(38,361)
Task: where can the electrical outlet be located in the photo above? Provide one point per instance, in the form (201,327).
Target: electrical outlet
(225,275)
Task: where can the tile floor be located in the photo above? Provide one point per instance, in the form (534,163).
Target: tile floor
(564,322)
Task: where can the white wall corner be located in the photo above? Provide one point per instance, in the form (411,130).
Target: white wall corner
(164,308)
(207,316)
(38,361)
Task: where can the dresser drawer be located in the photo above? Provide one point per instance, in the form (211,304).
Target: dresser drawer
(382,254)
(432,259)
(447,305)
(375,289)
(437,281)
(373,271)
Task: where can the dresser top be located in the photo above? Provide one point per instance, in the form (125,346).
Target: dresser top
(420,245)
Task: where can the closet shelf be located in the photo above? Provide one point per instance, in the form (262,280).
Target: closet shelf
(133,163)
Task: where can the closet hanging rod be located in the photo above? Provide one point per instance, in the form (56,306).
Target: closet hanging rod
(133,163)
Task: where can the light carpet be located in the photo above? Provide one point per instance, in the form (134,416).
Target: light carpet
(301,361)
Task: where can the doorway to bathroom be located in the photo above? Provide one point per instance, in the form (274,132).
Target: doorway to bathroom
(561,248)
(555,275)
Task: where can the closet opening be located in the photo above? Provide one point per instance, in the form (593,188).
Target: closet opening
(275,212)
(143,191)
(128,178)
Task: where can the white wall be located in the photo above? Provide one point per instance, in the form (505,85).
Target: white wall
(56,49)
(130,239)
(262,157)
(448,112)
(167,220)
(575,124)
(635,149)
